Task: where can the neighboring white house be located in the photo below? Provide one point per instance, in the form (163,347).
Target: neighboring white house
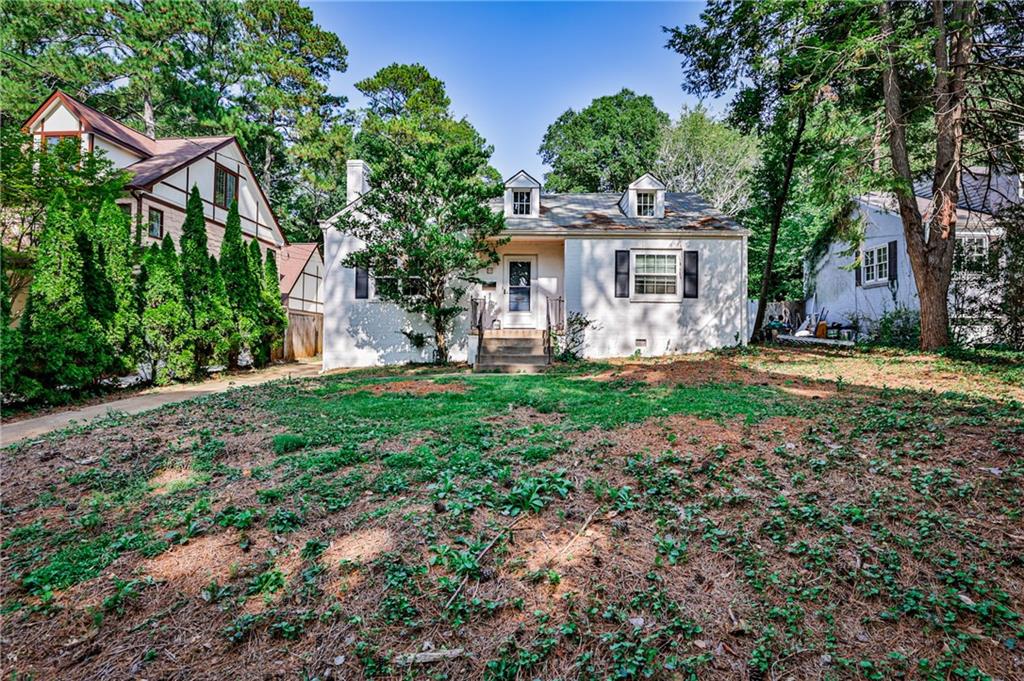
(657,272)
(883,280)
(163,172)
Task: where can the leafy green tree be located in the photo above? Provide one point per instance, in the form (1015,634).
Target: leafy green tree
(708,157)
(10,340)
(64,349)
(28,177)
(206,305)
(241,286)
(427,226)
(402,90)
(290,59)
(96,288)
(274,316)
(935,83)
(271,320)
(166,324)
(605,146)
(405,102)
(124,331)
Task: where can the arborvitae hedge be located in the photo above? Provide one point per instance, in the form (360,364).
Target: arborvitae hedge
(166,324)
(64,349)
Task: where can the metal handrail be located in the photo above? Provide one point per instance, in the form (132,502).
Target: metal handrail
(476,315)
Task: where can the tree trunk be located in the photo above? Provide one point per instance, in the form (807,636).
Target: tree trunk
(441,343)
(148,117)
(778,209)
(268,155)
(930,245)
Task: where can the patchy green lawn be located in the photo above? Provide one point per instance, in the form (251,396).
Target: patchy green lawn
(759,515)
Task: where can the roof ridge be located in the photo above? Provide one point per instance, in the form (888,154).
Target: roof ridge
(106,115)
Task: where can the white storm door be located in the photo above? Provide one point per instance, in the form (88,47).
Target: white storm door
(520,293)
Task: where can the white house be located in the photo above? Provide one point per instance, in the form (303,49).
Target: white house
(163,172)
(657,272)
(858,295)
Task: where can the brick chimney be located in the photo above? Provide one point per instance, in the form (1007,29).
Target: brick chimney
(357,180)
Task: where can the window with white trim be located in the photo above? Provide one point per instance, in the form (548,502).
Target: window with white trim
(656,275)
(875,265)
(645,204)
(520,202)
(973,248)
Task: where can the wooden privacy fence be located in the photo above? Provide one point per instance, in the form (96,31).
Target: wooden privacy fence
(304,336)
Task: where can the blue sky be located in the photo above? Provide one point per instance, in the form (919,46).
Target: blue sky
(513,68)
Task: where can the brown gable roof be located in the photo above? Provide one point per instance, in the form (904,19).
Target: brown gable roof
(171,155)
(290,263)
(97,122)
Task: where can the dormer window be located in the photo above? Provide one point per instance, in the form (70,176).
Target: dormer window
(520,202)
(644,198)
(645,204)
(522,196)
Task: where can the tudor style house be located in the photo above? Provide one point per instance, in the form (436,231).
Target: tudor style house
(163,171)
(656,273)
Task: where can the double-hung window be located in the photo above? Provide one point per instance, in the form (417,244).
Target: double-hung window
(656,275)
(875,265)
(520,202)
(645,204)
(225,186)
(973,249)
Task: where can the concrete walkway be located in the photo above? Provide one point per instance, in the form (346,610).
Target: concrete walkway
(151,399)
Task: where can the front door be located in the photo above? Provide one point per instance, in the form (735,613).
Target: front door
(520,292)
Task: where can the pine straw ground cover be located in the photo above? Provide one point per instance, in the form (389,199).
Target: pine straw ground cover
(725,516)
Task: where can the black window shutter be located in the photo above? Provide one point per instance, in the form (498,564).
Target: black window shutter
(690,274)
(622,274)
(362,283)
(892,261)
(856,272)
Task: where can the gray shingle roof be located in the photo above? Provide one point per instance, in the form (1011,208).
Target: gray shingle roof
(980,191)
(601,212)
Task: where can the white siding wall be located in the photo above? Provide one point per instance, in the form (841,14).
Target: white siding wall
(716,318)
(367,332)
(120,157)
(834,285)
(58,119)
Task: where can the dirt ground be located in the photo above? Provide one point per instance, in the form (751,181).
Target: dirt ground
(771,514)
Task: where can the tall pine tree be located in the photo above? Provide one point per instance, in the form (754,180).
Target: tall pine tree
(64,347)
(207,310)
(166,324)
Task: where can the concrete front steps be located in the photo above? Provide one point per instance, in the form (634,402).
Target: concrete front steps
(512,351)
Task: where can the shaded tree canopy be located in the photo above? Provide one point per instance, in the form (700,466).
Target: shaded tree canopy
(426,223)
(711,158)
(257,70)
(605,146)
